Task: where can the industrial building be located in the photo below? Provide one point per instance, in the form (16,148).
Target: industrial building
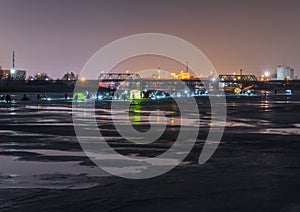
(13,73)
(285,73)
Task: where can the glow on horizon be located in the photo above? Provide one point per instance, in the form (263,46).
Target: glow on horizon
(51,36)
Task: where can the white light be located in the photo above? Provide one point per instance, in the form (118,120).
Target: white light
(12,71)
(267,74)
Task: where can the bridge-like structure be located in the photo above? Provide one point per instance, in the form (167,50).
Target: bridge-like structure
(134,81)
(118,76)
(231,82)
(237,78)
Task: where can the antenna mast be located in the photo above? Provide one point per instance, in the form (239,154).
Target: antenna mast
(187,66)
(13,60)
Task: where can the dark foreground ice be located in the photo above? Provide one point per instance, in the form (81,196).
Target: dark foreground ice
(255,168)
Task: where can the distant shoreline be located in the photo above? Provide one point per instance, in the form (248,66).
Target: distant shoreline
(37,86)
(63,86)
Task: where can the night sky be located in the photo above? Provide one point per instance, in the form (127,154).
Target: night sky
(56,36)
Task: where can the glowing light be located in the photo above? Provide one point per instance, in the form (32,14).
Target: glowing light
(135,94)
(267,74)
(12,71)
(172,121)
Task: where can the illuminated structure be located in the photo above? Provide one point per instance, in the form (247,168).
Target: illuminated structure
(13,73)
(4,74)
(118,76)
(129,86)
(39,77)
(79,96)
(285,73)
(18,75)
(135,94)
(231,82)
(182,75)
(70,76)
(237,78)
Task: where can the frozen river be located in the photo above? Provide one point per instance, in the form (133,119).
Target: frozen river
(39,149)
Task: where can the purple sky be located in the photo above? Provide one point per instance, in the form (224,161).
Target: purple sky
(61,35)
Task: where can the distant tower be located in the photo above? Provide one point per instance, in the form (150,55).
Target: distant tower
(13,60)
(241,72)
(187,66)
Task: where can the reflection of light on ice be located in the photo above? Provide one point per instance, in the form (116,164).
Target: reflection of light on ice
(144,164)
(28,174)
(265,104)
(238,124)
(127,170)
(172,121)
(281,131)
